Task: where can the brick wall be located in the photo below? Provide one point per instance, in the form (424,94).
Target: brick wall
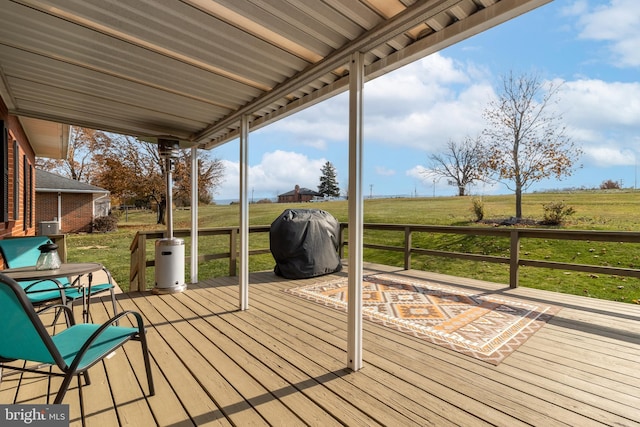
(21,151)
(46,207)
(77,213)
(77,210)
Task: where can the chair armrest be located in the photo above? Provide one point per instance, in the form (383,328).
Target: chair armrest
(59,286)
(64,308)
(101,329)
(108,273)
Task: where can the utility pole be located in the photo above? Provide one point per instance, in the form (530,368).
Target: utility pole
(371,191)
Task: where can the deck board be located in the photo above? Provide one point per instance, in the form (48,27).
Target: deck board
(283,362)
(409,352)
(317,362)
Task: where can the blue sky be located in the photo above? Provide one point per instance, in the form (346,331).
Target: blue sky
(593,47)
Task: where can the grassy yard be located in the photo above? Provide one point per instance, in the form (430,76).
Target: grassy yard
(595,210)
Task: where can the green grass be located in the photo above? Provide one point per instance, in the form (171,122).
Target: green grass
(595,210)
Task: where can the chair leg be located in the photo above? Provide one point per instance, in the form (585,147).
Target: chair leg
(81,397)
(66,315)
(63,388)
(115,306)
(147,364)
(113,294)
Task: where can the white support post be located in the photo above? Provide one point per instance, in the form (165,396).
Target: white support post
(244,214)
(59,213)
(356,217)
(194,214)
(168,173)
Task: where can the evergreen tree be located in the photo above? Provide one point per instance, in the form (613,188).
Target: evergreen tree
(328,184)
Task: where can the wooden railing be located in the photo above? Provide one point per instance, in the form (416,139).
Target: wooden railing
(61,241)
(139,261)
(515,235)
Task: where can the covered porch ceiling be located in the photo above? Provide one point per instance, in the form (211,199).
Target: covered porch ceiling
(191,69)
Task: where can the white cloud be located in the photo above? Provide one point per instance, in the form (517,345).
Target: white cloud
(422,105)
(578,7)
(384,171)
(598,103)
(420,82)
(278,172)
(318,125)
(425,104)
(430,125)
(611,156)
(417,86)
(418,172)
(617,23)
(604,119)
(313,131)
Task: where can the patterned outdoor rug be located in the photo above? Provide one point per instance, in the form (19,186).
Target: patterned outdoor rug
(488,327)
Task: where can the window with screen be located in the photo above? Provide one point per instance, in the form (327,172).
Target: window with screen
(27,195)
(4,215)
(16,180)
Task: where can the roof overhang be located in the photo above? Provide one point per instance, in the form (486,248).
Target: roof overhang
(191,69)
(67,190)
(48,139)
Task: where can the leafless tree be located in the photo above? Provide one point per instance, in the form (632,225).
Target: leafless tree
(459,164)
(525,140)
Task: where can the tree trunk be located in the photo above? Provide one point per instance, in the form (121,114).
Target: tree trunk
(461,190)
(162,206)
(518,202)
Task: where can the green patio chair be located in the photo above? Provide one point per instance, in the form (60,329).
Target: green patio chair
(23,252)
(73,350)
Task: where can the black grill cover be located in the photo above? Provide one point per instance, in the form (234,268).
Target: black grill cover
(304,243)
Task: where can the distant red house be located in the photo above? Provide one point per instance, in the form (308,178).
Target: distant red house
(298,195)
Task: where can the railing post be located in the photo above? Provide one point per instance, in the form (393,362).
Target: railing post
(233,252)
(142,262)
(133,264)
(407,248)
(134,268)
(514,258)
(61,241)
(133,252)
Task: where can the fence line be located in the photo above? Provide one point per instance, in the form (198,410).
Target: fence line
(139,261)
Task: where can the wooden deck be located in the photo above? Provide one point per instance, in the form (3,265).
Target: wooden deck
(282,362)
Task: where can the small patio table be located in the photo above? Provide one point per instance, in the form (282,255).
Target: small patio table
(68,270)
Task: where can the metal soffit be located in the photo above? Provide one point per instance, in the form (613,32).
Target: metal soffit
(192,68)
